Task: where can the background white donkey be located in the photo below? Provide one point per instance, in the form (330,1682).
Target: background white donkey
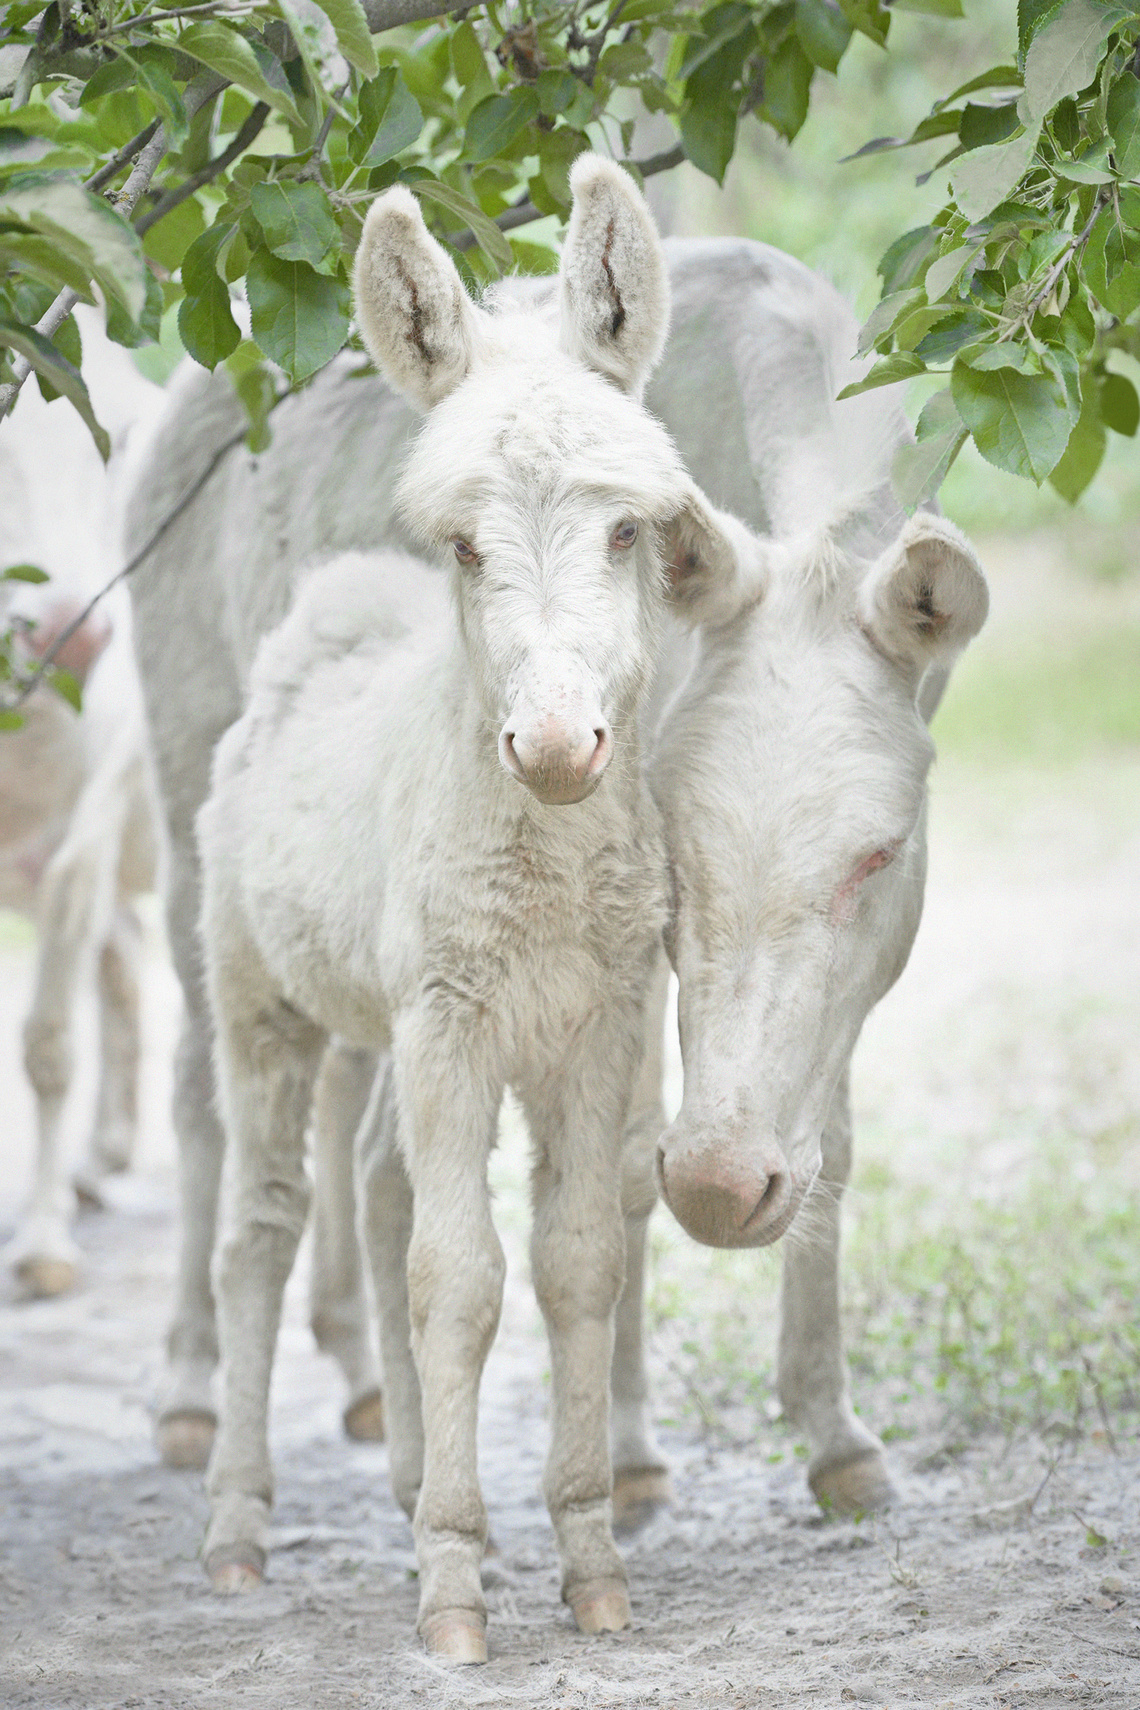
(76,839)
(372,868)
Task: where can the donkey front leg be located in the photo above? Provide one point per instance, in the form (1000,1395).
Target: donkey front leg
(448,1097)
(578,1263)
(268,1057)
(338,1307)
(848,1468)
(642,1486)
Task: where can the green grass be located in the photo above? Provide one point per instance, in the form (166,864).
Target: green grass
(1050,702)
(959,1319)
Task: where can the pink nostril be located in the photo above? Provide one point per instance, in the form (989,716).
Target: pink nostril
(603,752)
(507,756)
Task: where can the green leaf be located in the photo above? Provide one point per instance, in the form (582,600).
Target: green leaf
(948,335)
(205,320)
(82,226)
(787,84)
(937,8)
(1082,457)
(468,60)
(823,32)
(390,120)
(10,719)
(945,269)
(1090,168)
(66,686)
(904,262)
(297,222)
(557,92)
(1020,422)
(496,122)
(708,134)
(1119,405)
(24,573)
(557,152)
(884,316)
(67,380)
(352,33)
(487,234)
(171,108)
(998,77)
(982,125)
(920,469)
(1064,54)
(235,58)
(903,365)
(117,73)
(1123,117)
(299,317)
(257,389)
(25,252)
(986,176)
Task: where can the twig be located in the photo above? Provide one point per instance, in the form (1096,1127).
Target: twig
(210,8)
(241,141)
(1054,273)
(524,212)
(46,660)
(118,161)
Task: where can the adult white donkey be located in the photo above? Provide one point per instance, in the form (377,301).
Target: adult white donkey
(372,868)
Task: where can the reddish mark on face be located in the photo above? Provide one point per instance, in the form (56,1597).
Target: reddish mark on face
(843,907)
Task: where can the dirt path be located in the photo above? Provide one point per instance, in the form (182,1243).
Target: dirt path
(968,1595)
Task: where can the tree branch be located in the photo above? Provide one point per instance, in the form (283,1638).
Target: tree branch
(118,161)
(254,121)
(390,14)
(524,212)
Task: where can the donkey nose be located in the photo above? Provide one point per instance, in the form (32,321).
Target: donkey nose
(726,1195)
(559,764)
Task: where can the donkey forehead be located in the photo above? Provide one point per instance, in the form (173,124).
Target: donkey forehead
(530,433)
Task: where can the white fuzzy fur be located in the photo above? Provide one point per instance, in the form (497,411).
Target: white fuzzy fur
(789,734)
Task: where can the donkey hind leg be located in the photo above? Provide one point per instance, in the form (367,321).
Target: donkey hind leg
(642,1486)
(116,1114)
(338,1307)
(848,1469)
(268,1056)
(449,1096)
(386,1228)
(186,1413)
(578,1261)
(74,897)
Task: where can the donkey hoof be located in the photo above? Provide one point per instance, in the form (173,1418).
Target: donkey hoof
(860,1485)
(639,1496)
(235,1569)
(364,1419)
(41,1279)
(457,1635)
(600,1606)
(185,1439)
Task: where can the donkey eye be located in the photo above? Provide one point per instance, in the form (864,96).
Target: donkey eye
(463,549)
(624,535)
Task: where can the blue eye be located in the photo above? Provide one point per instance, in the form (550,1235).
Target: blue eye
(624,535)
(463,550)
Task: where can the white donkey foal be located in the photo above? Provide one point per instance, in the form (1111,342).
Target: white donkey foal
(372,868)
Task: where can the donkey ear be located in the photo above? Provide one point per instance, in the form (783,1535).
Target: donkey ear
(417,321)
(926,597)
(615,289)
(714,564)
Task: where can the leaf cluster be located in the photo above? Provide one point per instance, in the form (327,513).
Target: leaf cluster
(1028,280)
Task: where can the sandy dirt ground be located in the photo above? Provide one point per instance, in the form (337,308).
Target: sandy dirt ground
(1018,1012)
